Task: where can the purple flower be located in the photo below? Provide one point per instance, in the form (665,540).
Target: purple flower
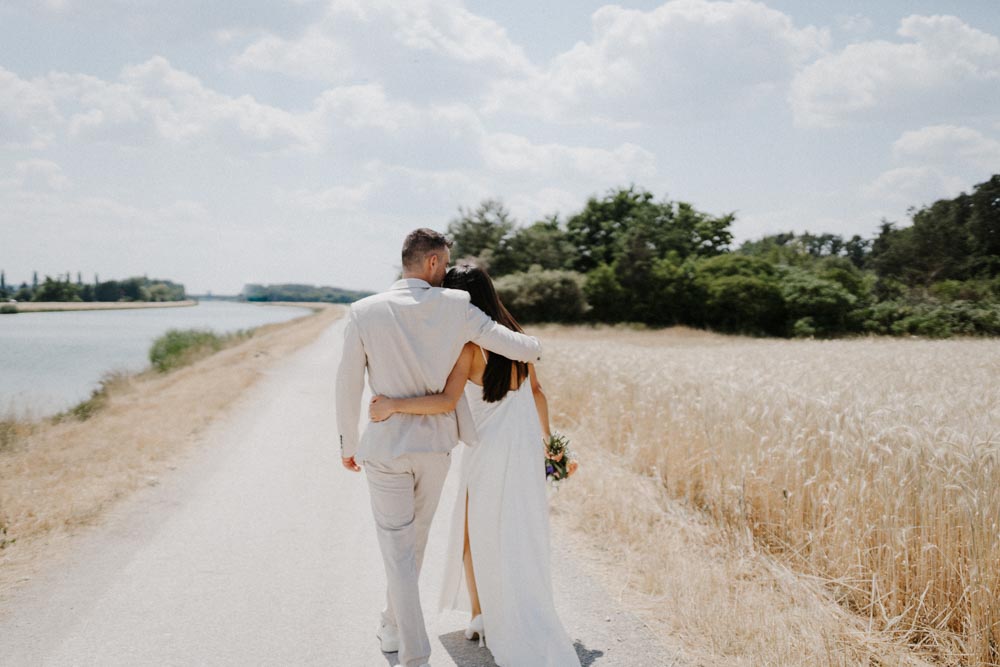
(549,469)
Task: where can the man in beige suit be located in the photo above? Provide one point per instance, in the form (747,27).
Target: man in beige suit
(408,339)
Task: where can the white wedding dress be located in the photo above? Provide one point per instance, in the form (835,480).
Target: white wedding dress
(508,534)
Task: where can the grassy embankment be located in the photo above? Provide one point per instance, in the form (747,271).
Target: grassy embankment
(40,306)
(790,502)
(62,471)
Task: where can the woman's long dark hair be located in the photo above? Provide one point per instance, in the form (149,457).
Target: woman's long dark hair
(475,281)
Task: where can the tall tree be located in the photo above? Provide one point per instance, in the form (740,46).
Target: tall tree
(625,218)
(482,233)
(984,228)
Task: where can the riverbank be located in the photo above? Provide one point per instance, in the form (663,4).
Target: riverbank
(57,477)
(54,306)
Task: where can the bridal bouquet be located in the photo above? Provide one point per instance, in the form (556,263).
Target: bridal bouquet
(558,462)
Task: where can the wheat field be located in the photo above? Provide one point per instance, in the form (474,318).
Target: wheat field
(868,465)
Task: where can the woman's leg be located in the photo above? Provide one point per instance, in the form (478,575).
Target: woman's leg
(470,575)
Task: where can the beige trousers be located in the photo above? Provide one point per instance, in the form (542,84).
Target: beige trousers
(404,493)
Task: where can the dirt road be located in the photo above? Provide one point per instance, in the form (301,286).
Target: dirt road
(259,549)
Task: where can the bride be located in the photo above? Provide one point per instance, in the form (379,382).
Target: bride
(499,542)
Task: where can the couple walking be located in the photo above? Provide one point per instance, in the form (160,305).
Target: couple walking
(447,365)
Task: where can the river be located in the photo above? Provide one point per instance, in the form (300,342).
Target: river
(50,361)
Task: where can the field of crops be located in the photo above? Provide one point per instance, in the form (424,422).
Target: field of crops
(871,464)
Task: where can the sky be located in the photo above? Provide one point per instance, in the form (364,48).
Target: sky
(218,144)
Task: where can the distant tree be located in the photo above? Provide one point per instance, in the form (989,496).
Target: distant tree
(483,233)
(856,249)
(34,280)
(984,229)
(23,292)
(131,289)
(607,228)
(951,239)
(299,292)
(544,244)
(56,290)
(742,294)
(108,290)
(3,284)
(79,278)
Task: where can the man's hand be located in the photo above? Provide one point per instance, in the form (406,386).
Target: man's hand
(350,464)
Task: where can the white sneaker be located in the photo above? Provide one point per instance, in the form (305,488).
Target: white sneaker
(388,638)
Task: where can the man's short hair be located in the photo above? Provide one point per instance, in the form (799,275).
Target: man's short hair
(420,242)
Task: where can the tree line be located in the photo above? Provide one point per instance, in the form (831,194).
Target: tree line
(629,257)
(63,288)
(299,292)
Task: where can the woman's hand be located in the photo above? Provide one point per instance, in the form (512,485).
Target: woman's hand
(380,408)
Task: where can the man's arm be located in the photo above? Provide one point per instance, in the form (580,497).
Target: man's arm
(486,333)
(349,388)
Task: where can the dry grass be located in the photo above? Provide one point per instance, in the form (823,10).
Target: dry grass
(868,467)
(38,306)
(57,476)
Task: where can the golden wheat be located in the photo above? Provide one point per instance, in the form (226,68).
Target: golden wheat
(869,464)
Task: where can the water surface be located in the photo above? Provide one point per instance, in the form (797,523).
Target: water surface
(50,361)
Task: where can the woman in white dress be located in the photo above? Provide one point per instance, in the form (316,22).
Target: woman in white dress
(499,542)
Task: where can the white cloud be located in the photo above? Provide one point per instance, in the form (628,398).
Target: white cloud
(314,55)
(40,175)
(334,198)
(913,186)
(28,112)
(686,59)
(366,106)
(377,37)
(151,98)
(512,153)
(856,24)
(945,68)
(948,145)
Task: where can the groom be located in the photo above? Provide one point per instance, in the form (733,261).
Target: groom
(408,338)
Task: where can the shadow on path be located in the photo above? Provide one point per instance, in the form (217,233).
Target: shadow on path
(587,657)
(467,653)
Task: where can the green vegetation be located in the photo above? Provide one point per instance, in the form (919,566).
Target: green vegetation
(179,347)
(62,288)
(297,292)
(97,401)
(627,257)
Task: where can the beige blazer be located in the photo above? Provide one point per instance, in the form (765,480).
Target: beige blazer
(408,339)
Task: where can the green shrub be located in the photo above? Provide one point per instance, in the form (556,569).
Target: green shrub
(179,347)
(934,320)
(605,295)
(8,309)
(826,303)
(98,400)
(543,296)
(804,327)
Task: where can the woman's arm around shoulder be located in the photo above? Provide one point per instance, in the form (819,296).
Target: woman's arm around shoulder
(383,407)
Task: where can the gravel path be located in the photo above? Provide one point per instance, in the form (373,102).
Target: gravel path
(259,549)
